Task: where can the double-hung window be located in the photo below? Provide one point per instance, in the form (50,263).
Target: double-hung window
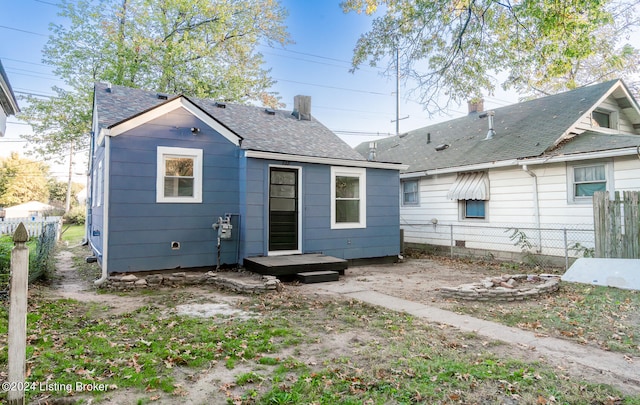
(348,197)
(410,192)
(586,180)
(179,175)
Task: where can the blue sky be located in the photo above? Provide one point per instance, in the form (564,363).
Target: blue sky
(356,106)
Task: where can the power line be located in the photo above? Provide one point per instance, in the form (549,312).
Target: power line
(21,30)
(334,87)
(23,61)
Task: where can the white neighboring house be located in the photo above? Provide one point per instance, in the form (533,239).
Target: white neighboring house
(31,209)
(533,164)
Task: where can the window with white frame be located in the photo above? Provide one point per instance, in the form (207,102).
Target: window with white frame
(410,194)
(587,179)
(179,175)
(348,197)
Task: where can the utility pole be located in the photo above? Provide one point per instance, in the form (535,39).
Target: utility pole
(397,120)
(67,206)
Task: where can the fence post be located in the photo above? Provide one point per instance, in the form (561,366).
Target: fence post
(452,243)
(18,316)
(566,249)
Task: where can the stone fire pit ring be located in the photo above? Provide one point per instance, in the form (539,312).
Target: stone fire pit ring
(518,287)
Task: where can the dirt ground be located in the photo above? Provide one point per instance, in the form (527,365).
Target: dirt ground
(416,279)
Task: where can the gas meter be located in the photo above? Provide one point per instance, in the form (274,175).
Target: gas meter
(224,227)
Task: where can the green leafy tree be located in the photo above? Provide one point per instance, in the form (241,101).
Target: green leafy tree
(458,48)
(22,180)
(203,48)
(58,192)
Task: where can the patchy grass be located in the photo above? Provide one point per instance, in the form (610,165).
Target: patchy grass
(73,234)
(297,349)
(606,317)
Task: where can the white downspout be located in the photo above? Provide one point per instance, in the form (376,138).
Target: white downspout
(536,205)
(105,212)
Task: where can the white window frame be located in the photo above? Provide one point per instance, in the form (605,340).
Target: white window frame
(608,174)
(164,152)
(404,202)
(361,174)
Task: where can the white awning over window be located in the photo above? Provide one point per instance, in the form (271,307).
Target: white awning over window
(470,186)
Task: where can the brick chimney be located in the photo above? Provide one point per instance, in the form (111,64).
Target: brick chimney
(475,105)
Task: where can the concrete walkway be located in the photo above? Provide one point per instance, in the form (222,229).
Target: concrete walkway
(614,368)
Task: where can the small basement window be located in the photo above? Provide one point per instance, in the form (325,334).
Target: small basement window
(179,175)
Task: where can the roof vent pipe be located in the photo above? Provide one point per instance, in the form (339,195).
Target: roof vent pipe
(489,115)
(428,137)
(372,151)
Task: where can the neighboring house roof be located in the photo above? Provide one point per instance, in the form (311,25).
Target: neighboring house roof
(31,206)
(258,130)
(7,98)
(548,126)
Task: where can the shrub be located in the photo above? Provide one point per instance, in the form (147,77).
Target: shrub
(75,215)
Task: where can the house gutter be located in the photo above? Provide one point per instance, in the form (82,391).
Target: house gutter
(105,207)
(536,204)
(458,169)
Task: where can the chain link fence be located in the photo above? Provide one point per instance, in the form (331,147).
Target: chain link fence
(41,249)
(544,247)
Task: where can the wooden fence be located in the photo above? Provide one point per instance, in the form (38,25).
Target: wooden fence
(34,225)
(617,225)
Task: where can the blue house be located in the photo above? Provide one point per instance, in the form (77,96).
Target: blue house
(179,182)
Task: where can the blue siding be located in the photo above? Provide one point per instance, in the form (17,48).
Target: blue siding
(140,230)
(380,238)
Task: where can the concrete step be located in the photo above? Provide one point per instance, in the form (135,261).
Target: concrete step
(309,277)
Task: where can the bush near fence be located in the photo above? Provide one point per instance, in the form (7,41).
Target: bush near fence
(545,248)
(41,249)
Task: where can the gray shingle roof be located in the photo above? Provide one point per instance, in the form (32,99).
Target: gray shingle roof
(523,130)
(279,133)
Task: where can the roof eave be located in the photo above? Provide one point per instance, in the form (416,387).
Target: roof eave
(324,160)
(166,107)
(628,151)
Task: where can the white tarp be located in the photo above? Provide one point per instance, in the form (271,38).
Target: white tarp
(620,273)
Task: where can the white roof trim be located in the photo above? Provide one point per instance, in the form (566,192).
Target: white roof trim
(165,108)
(325,161)
(469,168)
(470,186)
(582,156)
(530,161)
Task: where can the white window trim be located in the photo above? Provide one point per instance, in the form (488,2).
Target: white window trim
(361,174)
(608,174)
(164,152)
(410,204)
